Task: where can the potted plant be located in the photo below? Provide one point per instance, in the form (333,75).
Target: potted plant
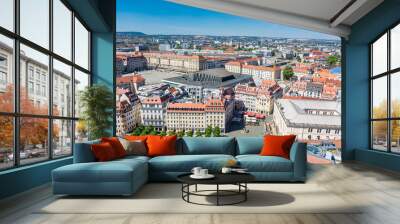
(97,104)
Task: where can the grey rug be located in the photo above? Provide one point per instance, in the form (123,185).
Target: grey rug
(166,198)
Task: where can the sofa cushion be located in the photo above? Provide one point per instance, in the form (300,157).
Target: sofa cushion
(257,163)
(113,171)
(212,145)
(135,147)
(249,145)
(104,152)
(185,163)
(116,145)
(83,152)
(161,145)
(275,145)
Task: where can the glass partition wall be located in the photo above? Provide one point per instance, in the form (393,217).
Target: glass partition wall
(44,64)
(385,92)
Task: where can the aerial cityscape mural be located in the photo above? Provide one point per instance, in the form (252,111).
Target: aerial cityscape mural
(202,73)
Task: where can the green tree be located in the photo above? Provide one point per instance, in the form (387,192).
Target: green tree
(198,133)
(144,132)
(189,133)
(154,132)
(137,131)
(97,102)
(208,131)
(181,133)
(171,132)
(140,127)
(288,73)
(332,60)
(217,132)
(163,133)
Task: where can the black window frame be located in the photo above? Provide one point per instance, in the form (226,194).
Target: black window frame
(388,74)
(16,115)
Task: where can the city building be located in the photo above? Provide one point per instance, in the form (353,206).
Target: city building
(120,64)
(198,116)
(258,72)
(258,99)
(207,83)
(127,112)
(35,82)
(131,81)
(235,66)
(153,111)
(314,89)
(308,119)
(136,63)
(301,71)
(185,63)
(164,47)
(297,88)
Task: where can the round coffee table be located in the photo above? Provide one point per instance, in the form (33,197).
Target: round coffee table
(238,179)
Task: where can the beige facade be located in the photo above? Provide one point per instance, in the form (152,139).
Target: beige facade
(264,104)
(234,67)
(257,99)
(258,72)
(186,63)
(153,112)
(128,114)
(198,116)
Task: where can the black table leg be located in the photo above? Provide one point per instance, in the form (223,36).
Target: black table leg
(188,190)
(182,189)
(195,188)
(217,194)
(245,193)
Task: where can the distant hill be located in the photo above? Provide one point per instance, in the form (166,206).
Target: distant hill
(131,34)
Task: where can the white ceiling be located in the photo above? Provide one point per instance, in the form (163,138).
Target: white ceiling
(325,16)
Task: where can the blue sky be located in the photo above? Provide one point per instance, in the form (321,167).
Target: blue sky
(162,17)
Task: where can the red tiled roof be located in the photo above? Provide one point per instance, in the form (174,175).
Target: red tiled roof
(186,107)
(131,78)
(268,83)
(233,63)
(120,91)
(153,100)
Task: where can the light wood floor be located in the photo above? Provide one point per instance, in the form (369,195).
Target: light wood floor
(378,189)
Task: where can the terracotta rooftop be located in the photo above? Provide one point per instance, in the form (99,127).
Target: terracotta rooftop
(186,106)
(153,100)
(130,78)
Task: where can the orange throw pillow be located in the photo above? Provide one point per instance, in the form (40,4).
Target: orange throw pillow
(161,145)
(136,138)
(103,152)
(277,145)
(116,145)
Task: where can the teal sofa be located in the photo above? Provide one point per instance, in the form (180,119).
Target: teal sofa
(125,176)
